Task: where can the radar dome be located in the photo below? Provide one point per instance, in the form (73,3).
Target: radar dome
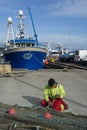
(9,20)
(20,13)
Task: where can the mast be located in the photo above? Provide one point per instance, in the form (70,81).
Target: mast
(10,34)
(35,35)
(21,25)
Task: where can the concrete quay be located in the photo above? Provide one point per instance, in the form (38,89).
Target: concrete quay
(25,88)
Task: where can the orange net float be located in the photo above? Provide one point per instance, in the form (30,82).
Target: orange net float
(47,115)
(12,111)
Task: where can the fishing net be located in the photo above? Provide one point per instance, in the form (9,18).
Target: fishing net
(32,118)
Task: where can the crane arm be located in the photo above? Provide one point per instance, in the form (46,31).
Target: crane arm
(35,35)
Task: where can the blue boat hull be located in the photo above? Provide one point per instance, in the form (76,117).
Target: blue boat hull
(26,58)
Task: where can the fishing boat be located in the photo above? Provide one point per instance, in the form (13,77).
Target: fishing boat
(21,52)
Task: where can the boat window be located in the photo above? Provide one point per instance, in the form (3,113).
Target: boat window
(28,44)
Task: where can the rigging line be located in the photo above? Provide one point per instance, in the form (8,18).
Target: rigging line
(38,59)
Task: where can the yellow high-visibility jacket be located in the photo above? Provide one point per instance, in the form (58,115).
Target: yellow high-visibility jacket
(50,93)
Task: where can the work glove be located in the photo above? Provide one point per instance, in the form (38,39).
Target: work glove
(49,104)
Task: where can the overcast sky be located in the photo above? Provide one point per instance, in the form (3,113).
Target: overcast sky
(63,21)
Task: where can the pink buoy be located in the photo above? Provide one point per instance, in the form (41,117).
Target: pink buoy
(47,115)
(11,111)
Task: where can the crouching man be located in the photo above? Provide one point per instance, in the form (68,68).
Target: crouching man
(53,96)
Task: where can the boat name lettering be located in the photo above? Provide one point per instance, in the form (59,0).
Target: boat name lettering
(27,56)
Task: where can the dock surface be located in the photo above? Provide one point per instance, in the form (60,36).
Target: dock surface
(25,88)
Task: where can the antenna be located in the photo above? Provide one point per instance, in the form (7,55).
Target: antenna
(35,35)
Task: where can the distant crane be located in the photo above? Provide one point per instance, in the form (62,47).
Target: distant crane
(35,35)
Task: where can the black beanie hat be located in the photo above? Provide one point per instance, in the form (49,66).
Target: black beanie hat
(51,82)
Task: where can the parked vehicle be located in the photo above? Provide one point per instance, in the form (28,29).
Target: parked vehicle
(83,61)
(67,57)
(80,55)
